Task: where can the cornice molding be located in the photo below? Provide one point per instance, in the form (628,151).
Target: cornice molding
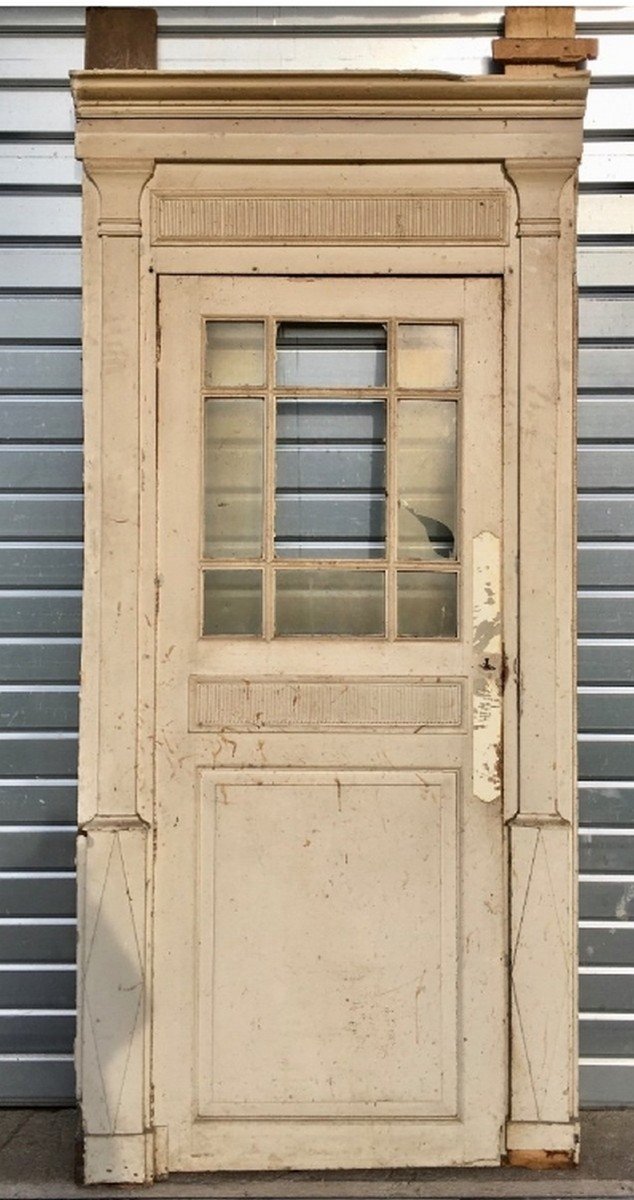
(194,94)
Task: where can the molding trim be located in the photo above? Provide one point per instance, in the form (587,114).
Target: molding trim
(453,218)
(361,93)
(118,227)
(114,823)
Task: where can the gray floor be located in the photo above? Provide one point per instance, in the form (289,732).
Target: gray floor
(37,1153)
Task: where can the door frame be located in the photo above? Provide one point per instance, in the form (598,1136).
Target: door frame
(455,176)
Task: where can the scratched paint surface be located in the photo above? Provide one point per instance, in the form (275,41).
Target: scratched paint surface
(333,922)
(487,645)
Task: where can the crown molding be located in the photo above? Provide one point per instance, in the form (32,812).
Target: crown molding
(143,94)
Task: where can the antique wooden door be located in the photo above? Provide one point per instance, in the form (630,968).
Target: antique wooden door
(329,903)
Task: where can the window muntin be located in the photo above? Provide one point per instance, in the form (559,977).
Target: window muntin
(347,456)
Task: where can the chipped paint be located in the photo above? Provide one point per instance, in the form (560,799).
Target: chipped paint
(487,687)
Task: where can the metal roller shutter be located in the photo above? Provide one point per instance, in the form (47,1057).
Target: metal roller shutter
(40,490)
(40,553)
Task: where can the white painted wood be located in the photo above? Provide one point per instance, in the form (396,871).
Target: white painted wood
(276,922)
(543,1040)
(154,770)
(487,712)
(326,1064)
(113,864)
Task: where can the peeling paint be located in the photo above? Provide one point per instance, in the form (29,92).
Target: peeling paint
(487,688)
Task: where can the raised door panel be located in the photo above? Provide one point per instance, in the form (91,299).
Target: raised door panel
(327,963)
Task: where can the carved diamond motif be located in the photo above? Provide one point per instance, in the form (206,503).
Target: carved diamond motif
(541,953)
(113,979)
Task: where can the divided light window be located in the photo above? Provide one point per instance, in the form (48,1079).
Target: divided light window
(330,479)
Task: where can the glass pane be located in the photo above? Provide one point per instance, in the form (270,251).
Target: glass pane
(427,356)
(330,486)
(426,470)
(234,355)
(232,602)
(326,355)
(233,478)
(427,605)
(323,602)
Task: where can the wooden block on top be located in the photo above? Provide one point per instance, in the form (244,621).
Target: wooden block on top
(544,50)
(121,38)
(541,41)
(539,22)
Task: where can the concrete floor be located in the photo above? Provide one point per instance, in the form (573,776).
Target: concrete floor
(37,1154)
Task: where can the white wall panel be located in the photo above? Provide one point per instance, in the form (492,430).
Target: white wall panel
(229,52)
(36,110)
(38,164)
(28,57)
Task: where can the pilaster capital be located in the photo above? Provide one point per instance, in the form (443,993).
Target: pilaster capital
(538,184)
(120,184)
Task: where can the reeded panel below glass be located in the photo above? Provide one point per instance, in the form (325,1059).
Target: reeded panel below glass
(427,604)
(232,603)
(426,472)
(427,356)
(345,603)
(235,354)
(327,355)
(233,478)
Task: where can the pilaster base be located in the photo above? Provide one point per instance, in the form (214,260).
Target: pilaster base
(540,1146)
(118,1158)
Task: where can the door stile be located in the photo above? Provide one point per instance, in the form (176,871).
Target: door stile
(269,487)
(391,483)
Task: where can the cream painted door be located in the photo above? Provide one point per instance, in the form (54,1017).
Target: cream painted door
(329,900)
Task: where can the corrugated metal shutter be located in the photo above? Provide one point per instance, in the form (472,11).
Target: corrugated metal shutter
(606,577)
(40,492)
(40,555)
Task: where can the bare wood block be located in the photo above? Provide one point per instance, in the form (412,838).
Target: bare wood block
(544,50)
(540,42)
(123,38)
(539,22)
